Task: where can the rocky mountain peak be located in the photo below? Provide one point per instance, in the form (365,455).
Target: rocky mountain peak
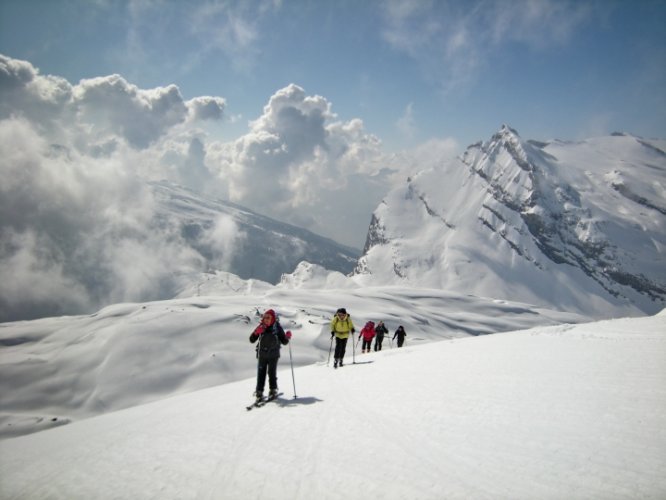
(577,226)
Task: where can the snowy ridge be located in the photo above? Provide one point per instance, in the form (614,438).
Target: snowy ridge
(567,411)
(575,226)
(58,370)
(260,248)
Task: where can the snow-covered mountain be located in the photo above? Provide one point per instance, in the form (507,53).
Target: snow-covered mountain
(578,226)
(141,242)
(265,249)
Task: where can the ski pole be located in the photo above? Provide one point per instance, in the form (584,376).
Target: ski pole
(256,351)
(329,351)
(291,362)
(353,350)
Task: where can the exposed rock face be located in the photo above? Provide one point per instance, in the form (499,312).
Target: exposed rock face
(569,225)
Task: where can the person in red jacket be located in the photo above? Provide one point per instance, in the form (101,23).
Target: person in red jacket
(367,334)
(271,336)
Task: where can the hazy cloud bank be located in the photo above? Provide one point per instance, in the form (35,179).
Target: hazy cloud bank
(78,217)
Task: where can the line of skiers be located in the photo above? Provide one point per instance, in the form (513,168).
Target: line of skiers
(342,326)
(371,331)
(271,337)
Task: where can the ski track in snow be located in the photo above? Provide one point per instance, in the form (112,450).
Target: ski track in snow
(572,412)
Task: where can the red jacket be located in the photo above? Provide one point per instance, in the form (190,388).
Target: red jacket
(368,331)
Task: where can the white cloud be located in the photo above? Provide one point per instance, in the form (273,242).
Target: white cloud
(206,108)
(112,106)
(406,123)
(24,92)
(98,111)
(296,162)
(77,218)
(452,40)
(77,214)
(231,29)
(33,280)
(223,236)
(537,23)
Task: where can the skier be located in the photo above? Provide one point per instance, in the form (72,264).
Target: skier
(341,326)
(401,334)
(270,335)
(367,334)
(380,330)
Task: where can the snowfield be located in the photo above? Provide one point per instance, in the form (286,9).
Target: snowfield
(552,412)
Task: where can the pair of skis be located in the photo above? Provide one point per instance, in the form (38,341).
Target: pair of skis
(263,402)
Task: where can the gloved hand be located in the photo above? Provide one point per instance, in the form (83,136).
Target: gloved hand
(288,334)
(353,330)
(259,330)
(332,333)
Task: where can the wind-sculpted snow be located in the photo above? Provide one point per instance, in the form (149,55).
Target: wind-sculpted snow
(566,411)
(574,226)
(58,370)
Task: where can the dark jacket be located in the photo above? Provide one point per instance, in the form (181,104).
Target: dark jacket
(400,333)
(270,339)
(380,330)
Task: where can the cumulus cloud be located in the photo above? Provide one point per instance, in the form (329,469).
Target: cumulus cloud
(80,226)
(114,107)
(77,232)
(206,108)
(24,92)
(98,111)
(299,163)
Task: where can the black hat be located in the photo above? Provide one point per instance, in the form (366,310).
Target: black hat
(341,310)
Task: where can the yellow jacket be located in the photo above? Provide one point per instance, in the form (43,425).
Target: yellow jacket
(342,327)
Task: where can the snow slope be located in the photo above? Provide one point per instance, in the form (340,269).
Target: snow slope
(58,370)
(566,411)
(569,226)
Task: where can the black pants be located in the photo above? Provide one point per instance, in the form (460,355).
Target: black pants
(401,340)
(263,366)
(340,347)
(367,344)
(378,342)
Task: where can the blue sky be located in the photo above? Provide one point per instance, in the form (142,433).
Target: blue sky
(326,105)
(412,71)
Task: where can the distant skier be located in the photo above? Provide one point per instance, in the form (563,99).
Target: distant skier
(367,334)
(380,331)
(401,334)
(270,335)
(341,327)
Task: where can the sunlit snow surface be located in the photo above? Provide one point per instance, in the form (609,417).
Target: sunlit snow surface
(561,411)
(572,226)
